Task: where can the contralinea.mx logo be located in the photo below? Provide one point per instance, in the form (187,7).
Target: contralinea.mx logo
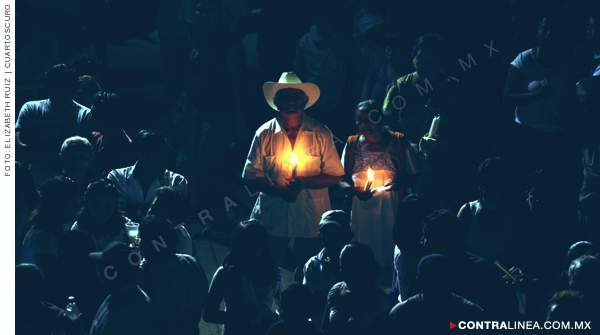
(514,325)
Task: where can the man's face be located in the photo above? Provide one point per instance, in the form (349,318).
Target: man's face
(592,32)
(290,101)
(207,13)
(61,94)
(334,238)
(154,162)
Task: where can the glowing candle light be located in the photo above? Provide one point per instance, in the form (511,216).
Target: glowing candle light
(370,180)
(295,162)
(434,126)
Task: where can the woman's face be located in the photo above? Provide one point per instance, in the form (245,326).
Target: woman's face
(101,207)
(426,62)
(355,274)
(548,33)
(251,247)
(369,122)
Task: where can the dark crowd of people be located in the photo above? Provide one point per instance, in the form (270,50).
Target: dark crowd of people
(416,164)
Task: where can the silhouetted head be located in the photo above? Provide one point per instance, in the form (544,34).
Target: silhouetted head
(158,238)
(152,151)
(493,179)
(428,55)
(297,304)
(29,286)
(250,252)
(117,266)
(584,276)
(77,154)
(171,203)
(434,275)
(107,112)
(60,83)
(443,234)
(334,230)
(358,266)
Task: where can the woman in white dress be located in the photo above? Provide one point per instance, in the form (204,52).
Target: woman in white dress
(390,158)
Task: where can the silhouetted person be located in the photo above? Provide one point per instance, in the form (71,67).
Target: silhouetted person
(407,234)
(322,271)
(32,314)
(577,250)
(411,103)
(588,92)
(112,145)
(43,125)
(249,282)
(57,208)
(540,84)
(77,155)
(101,216)
(584,275)
(77,276)
(297,304)
(356,305)
(429,311)
(127,309)
(26,200)
(474,279)
(497,229)
(176,284)
(136,184)
(172,204)
(331,60)
(566,306)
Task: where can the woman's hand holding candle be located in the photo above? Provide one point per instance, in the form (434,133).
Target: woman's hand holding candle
(371,176)
(361,194)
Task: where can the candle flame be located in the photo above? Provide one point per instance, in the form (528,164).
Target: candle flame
(370,174)
(294,159)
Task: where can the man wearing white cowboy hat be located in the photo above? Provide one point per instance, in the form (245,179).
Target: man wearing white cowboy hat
(291,203)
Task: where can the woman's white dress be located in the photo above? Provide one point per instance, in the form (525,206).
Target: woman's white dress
(372,221)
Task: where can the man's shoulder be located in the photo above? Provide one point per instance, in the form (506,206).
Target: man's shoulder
(175,177)
(37,106)
(121,173)
(466,304)
(82,110)
(128,297)
(268,127)
(408,306)
(317,126)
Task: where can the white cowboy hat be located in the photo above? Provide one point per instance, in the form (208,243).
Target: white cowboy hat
(290,80)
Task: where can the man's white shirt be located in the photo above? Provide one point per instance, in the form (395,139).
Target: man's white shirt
(269,157)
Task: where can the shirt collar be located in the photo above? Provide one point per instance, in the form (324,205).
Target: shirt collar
(307,124)
(135,171)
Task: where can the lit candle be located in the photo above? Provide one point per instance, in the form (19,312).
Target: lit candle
(295,162)
(434,126)
(370,181)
